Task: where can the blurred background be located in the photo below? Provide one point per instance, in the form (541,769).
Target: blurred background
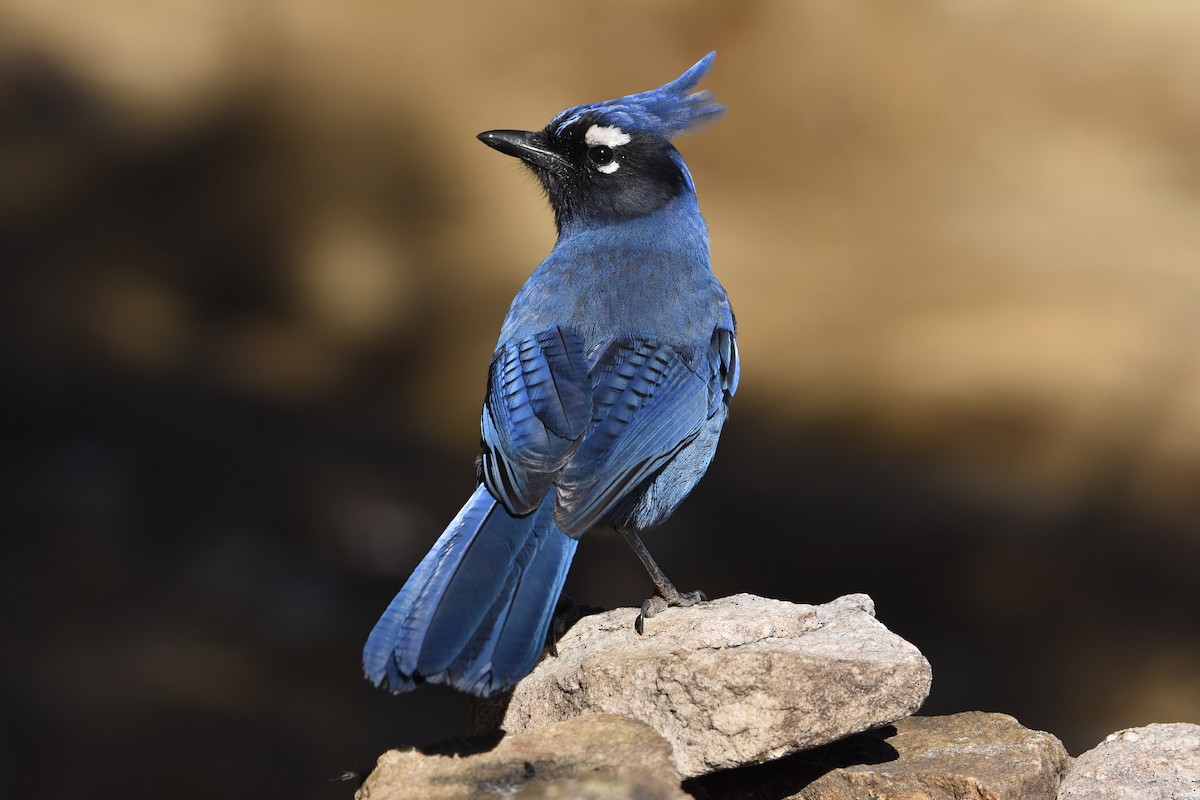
(254,263)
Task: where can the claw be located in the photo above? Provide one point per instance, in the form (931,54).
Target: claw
(566,614)
(657,604)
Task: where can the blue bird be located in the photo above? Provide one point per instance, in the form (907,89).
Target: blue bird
(605,395)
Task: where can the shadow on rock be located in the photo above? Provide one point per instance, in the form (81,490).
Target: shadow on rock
(776,780)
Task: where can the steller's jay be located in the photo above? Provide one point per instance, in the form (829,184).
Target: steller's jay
(605,395)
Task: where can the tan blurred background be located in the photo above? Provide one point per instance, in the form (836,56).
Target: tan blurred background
(254,264)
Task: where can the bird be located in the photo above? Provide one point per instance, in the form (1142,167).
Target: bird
(605,396)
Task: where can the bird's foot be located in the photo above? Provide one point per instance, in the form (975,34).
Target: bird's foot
(661,602)
(566,614)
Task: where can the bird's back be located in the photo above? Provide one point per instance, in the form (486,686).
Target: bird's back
(647,277)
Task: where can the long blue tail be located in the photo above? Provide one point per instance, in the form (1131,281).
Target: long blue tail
(475,612)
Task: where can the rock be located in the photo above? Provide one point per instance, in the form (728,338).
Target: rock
(735,681)
(594,757)
(969,755)
(1157,762)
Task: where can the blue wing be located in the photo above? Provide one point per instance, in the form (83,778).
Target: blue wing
(725,369)
(600,426)
(536,410)
(650,402)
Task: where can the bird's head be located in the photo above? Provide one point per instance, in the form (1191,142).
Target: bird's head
(614,159)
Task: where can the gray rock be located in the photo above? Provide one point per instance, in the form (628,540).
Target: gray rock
(1157,762)
(969,755)
(594,757)
(735,681)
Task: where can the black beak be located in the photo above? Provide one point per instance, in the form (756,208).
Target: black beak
(532,147)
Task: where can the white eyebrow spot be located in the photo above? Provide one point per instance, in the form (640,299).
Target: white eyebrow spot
(608,135)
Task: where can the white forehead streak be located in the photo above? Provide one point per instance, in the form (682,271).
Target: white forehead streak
(608,135)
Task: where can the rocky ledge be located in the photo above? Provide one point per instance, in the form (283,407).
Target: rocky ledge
(746,697)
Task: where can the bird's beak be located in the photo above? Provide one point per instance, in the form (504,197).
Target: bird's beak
(529,146)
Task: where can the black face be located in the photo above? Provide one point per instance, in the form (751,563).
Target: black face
(598,176)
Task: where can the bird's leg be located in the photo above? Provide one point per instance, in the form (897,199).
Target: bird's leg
(667,595)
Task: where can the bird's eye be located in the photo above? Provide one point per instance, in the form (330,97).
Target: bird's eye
(601,155)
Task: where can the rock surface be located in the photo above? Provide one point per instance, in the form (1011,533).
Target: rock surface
(735,681)
(594,757)
(968,755)
(1157,762)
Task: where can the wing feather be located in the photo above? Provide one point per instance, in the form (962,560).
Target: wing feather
(647,404)
(537,407)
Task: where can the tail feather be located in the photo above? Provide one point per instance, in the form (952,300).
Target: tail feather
(465,602)
(475,612)
(526,608)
